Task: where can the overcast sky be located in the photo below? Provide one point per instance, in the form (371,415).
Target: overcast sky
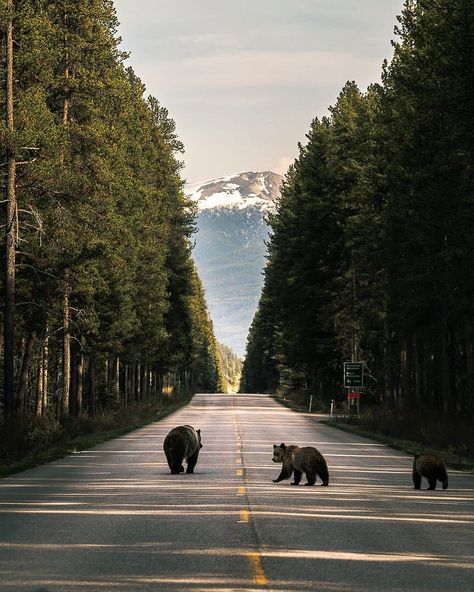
(243,79)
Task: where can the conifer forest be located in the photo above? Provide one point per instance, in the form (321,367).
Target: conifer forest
(146,214)
(103,308)
(371,254)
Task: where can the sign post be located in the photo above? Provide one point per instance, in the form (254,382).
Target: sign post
(353,374)
(354,379)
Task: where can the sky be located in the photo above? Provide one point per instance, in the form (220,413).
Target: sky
(243,79)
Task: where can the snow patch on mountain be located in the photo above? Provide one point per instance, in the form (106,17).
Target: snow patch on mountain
(229,247)
(257,191)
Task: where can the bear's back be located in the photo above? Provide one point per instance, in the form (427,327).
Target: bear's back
(305,456)
(184,434)
(427,464)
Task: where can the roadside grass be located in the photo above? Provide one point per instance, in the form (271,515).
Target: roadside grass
(63,443)
(451,458)
(411,434)
(317,406)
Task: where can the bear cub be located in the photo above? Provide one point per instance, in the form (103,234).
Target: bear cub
(182,443)
(432,468)
(298,461)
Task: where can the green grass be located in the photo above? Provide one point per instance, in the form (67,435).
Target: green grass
(84,441)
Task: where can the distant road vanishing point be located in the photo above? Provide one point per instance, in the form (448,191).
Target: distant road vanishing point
(113,518)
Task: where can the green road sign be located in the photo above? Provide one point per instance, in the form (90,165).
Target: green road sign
(353,374)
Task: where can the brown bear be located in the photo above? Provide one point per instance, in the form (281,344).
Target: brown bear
(300,460)
(432,467)
(182,443)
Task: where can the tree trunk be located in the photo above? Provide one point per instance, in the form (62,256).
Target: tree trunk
(92,386)
(72,384)
(79,382)
(448,395)
(39,387)
(186,382)
(132,389)
(469,354)
(143,383)
(10,230)
(125,385)
(66,386)
(45,398)
(419,373)
(107,378)
(138,381)
(25,370)
(116,379)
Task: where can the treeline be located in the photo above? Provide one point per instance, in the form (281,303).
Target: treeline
(102,304)
(231,366)
(372,250)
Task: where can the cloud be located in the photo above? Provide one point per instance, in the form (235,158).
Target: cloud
(282,164)
(264,69)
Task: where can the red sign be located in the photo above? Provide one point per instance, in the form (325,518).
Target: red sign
(353,395)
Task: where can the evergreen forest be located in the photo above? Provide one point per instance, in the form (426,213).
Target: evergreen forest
(103,308)
(231,366)
(371,256)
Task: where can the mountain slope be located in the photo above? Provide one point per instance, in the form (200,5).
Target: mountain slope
(230,248)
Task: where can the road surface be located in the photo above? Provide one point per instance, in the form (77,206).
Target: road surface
(113,518)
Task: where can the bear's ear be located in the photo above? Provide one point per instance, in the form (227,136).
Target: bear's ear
(282,445)
(274,446)
(198,431)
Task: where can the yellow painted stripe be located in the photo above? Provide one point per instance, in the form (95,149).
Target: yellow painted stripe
(239,472)
(241,490)
(238,460)
(244,516)
(258,573)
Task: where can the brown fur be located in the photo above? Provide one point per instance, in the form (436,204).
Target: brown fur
(182,444)
(298,460)
(432,468)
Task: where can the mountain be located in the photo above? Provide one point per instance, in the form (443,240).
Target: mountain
(230,248)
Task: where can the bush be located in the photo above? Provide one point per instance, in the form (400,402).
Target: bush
(24,438)
(454,434)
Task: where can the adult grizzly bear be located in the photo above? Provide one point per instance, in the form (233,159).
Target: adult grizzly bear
(300,460)
(182,443)
(432,467)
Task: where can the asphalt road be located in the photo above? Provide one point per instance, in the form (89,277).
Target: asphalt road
(113,518)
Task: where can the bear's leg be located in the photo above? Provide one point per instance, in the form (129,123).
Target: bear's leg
(416,479)
(173,465)
(176,467)
(323,474)
(192,460)
(285,474)
(443,477)
(432,483)
(297,478)
(311,477)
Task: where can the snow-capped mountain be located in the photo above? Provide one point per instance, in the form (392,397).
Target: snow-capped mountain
(242,191)
(230,248)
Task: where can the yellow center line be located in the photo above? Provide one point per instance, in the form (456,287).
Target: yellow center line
(258,572)
(241,490)
(238,460)
(239,473)
(244,516)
